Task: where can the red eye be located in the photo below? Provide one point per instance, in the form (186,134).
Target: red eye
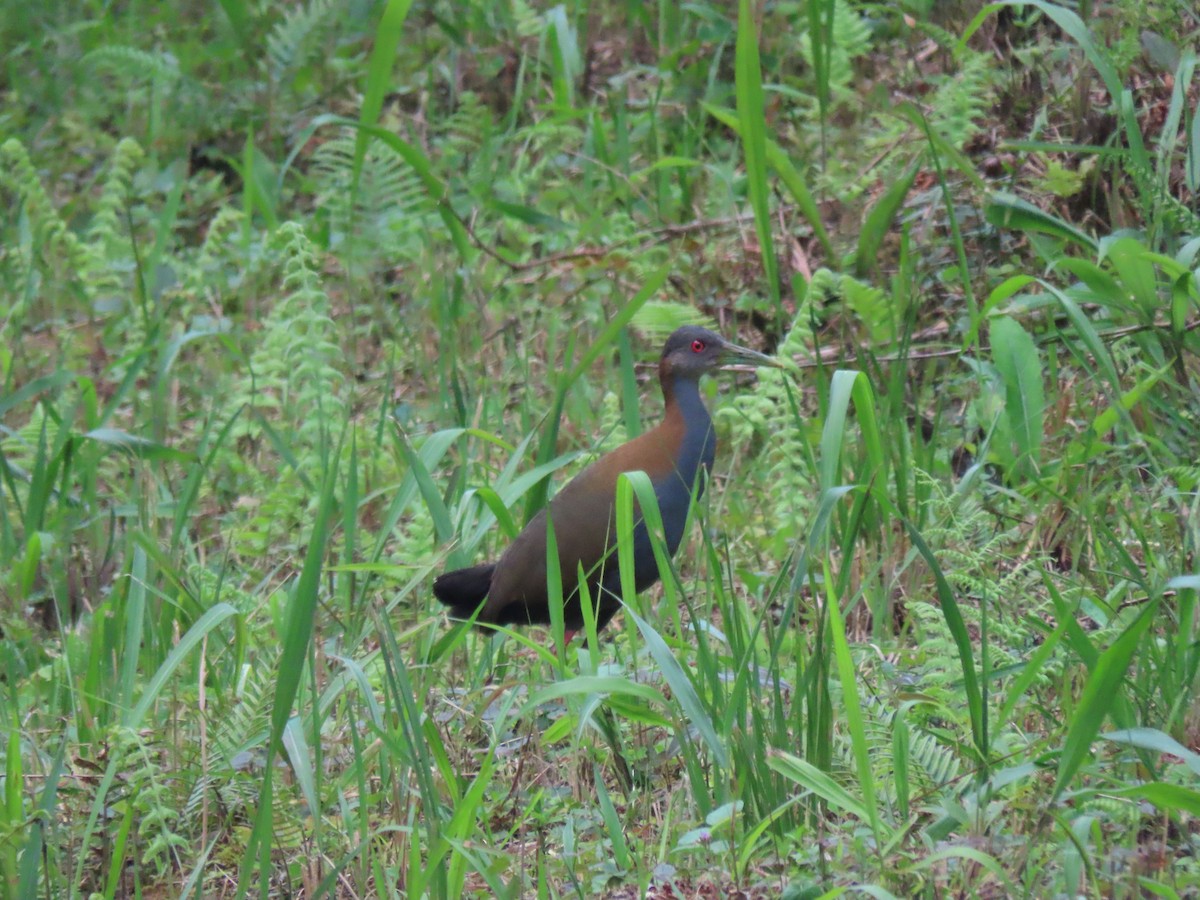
(697,346)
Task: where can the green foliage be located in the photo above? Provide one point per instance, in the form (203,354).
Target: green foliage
(382,220)
(155,805)
(295,40)
(851,40)
(132,63)
(300,307)
(982,562)
(290,380)
(49,245)
(961,100)
(1016,361)
(767,414)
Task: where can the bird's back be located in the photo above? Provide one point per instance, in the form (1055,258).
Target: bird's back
(584,517)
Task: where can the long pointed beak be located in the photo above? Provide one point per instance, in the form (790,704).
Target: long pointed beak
(735,357)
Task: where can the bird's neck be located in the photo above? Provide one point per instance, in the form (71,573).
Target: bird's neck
(682,397)
(687,413)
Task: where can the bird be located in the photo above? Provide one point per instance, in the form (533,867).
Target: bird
(513,590)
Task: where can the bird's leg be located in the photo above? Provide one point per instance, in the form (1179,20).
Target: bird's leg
(568,636)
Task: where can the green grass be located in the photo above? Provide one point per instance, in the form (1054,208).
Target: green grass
(301,307)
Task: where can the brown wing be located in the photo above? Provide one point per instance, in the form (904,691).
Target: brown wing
(583,513)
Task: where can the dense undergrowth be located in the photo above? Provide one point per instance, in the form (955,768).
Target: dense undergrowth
(301,305)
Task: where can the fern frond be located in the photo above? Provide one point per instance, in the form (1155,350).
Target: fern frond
(114,196)
(379,223)
(296,383)
(931,758)
(18,177)
(245,725)
(132,63)
(767,410)
(467,127)
(962,98)
(527,20)
(851,39)
(295,39)
(154,799)
(658,318)
(1158,202)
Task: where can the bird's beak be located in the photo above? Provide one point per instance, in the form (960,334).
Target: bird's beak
(735,357)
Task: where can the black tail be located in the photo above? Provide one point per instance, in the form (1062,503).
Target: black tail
(464,589)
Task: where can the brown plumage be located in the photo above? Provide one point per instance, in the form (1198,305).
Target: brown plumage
(672,454)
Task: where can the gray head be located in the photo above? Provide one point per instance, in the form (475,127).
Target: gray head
(691,351)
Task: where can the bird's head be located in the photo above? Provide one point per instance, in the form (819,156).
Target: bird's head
(691,351)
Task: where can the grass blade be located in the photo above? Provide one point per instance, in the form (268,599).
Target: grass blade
(298,632)
(379,78)
(752,117)
(879,221)
(853,709)
(1102,686)
(1016,358)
